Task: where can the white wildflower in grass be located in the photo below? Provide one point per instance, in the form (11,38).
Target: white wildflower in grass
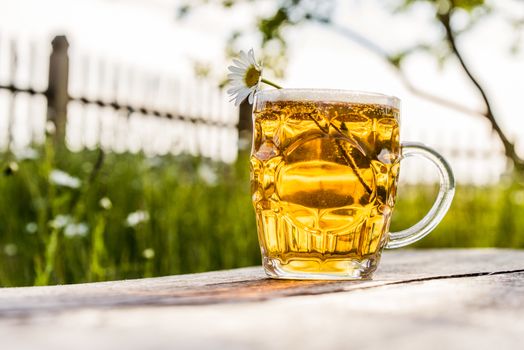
(243,143)
(244,78)
(27,153)
(11,168)
(31,227)
(76,230)
(61,178)
(71,228)
(154,162)
(50,128)
(105,203)
(60,221)
(137,217)
(148,253)
(207,174)
(10,249)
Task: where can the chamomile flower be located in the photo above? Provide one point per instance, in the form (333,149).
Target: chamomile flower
(61,178)
(244,78)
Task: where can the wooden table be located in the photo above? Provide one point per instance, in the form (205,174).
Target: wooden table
(419,299)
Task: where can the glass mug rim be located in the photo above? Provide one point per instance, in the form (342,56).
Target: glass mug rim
(325,95)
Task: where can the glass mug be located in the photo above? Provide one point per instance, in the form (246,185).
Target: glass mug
(324,169)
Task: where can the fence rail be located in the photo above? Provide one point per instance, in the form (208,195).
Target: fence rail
(96,91)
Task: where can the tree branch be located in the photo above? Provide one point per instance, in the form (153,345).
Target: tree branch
(509,147)
(434,98)
(377,50)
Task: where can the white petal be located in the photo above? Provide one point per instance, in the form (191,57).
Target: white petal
(236,69)
(240,74)
(234,90)
(251,56)
(236,80)
(236,83)
(244,57)
(253,60)
(251,96)
(238,101)
(232,98)
(238,87)
(235,96)
(242,54)
(243,93)
(240,64)
(236,60)
(242,96)
(235,75)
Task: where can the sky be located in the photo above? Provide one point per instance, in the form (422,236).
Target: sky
(146,34)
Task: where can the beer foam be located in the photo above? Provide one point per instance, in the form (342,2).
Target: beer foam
(326,95)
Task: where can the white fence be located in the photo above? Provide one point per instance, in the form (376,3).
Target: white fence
(201,121)
(207,123)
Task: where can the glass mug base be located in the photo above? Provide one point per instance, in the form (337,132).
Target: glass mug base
(321,269)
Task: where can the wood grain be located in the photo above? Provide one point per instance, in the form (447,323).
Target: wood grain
(418,299)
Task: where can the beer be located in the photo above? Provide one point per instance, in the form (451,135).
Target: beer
(323,183)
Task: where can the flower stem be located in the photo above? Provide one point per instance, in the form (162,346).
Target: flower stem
(271,83)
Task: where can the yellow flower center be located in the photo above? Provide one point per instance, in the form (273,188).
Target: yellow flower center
(252,76)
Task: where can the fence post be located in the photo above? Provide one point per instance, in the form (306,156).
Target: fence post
(57,92)
(245,121)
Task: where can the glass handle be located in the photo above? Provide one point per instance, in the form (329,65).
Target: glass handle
(441,205)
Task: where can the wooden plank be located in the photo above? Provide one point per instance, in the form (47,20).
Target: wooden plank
(251,284)
(424,306)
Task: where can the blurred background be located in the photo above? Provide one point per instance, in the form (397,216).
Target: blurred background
(122,156)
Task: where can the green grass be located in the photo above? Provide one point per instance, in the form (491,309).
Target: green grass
(192,225)
(488,216)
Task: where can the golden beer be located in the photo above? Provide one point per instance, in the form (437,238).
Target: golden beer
(323,184)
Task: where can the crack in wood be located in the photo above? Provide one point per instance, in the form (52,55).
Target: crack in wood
(344,286)
(217,293)
(463,275)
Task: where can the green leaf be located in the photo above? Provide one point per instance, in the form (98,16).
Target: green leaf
(271,27)
(468,5)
